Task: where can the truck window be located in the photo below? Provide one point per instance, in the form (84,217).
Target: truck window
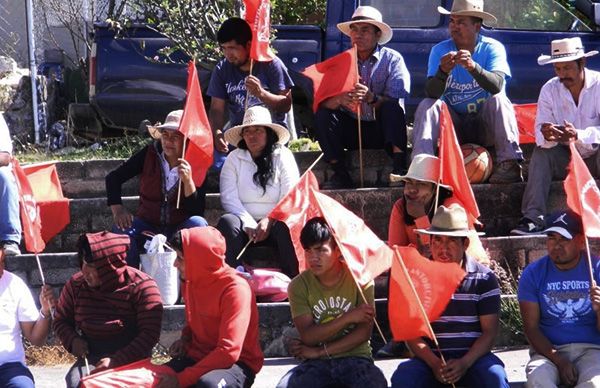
(538,15)
(416,13)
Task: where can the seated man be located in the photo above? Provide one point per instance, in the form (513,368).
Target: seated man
(108,314)
(561,309)
(468,327)
(384,83)
(10,223)
(20,318)
(567,110)
(468,72)
(231,82)
(219,344)
(334,337)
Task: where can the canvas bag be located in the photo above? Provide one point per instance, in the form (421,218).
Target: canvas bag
(158,263)
(268,284)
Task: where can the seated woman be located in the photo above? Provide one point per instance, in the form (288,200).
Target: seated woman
(254,178)
(108,314)
(415,208)
(160,168)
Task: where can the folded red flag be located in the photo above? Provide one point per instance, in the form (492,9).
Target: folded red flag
(139,374)
(583,196)
(258,16)
(434,284)
(525,114)
(30,215)
(336,75)
(195,126)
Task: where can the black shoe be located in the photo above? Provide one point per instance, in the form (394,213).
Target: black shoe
(339,180)
(399,164)
(527,227)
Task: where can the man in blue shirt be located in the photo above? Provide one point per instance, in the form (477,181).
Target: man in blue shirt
(384,83)
(269,84)
(560,306)
(469,72)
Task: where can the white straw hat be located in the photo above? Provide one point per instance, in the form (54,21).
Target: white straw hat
(565,50)
(257,115)
(469,8)
(450,221)
(370,15)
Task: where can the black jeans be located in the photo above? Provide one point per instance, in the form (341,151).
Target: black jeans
(237,376)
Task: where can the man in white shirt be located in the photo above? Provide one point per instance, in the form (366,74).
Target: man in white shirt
(10,223)
(568,110)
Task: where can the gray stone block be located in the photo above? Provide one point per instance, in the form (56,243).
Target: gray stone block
(98,169)
(53,276)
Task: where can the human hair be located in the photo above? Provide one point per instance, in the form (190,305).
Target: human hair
(580,63)
(236,29)
(176,241)
(84,251)
(264,161)
(316,231)
(476,20)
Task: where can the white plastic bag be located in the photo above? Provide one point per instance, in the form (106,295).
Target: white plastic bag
(158,263)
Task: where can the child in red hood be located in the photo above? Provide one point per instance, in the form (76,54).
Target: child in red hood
(219,343)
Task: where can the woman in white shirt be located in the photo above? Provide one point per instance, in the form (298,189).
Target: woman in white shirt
(255,176)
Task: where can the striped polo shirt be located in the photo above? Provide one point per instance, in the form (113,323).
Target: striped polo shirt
(459,326)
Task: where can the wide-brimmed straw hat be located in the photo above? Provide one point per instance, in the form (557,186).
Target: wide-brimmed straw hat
(565,50)
(424,168)
(469,8)
(450,221)
(370,15)
(257,115)
(171,124)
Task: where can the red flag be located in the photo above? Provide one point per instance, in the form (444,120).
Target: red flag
(47,191)
(195,126)
(258,16)
(142,373)
(365,254)
(295,209)
(30,215)
(336,75)
(434,284)
(583,196)
(525,114)
(452,165)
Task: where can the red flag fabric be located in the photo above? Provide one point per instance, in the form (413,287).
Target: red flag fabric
(258,16)
(365,254)
(195,126)
(138,374)
(583,196)
(434,284)
(525,114)
(30,215)
(336,75)
(452,165)
(53,206)
(295,209)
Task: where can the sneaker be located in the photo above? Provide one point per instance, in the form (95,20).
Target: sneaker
(10,248)
(393,349)
(509,171)
(527,227)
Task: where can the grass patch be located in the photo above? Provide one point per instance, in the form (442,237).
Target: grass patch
(510,314)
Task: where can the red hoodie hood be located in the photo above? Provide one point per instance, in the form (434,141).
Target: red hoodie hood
(108,256)
(204,254)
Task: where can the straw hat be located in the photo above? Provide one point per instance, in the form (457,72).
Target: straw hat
(424,168)
(171,124)
(450,221)
(565,50)
(370,15)
(257,115)
(469,8)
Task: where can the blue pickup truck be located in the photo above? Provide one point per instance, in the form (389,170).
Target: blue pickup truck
(125,88)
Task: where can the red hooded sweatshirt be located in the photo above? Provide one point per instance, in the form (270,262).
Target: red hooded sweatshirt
(221,312)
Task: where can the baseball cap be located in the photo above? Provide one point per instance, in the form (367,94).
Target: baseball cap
(567,223)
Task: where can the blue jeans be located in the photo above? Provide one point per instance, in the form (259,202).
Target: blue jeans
(15,375)
(236,376)
(10,223)
(486,372)
(345,372)
(137,238)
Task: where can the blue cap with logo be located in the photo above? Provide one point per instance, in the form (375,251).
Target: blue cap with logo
(567,223)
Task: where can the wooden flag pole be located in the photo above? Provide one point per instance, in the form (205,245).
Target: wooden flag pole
(589,261)
(421,308)
(247,93)
(179,187)
(87,365)
(43,278)
(243,250)
(312,165)
(360,153)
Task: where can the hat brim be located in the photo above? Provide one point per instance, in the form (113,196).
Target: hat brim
(155,130)
(562,231)
(547,59)
(386,30)
(453,233)
(403,178)
(486,17)
(234,134)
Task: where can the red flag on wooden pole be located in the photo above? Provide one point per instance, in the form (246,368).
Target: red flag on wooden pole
(452,165)
(30,214)
(336,75)
(525,114)
(258,16)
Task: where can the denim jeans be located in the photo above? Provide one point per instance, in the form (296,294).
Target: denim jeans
(10,223)
(348,372)
(236,376)
(137,238)
(487,372)
(15,375)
